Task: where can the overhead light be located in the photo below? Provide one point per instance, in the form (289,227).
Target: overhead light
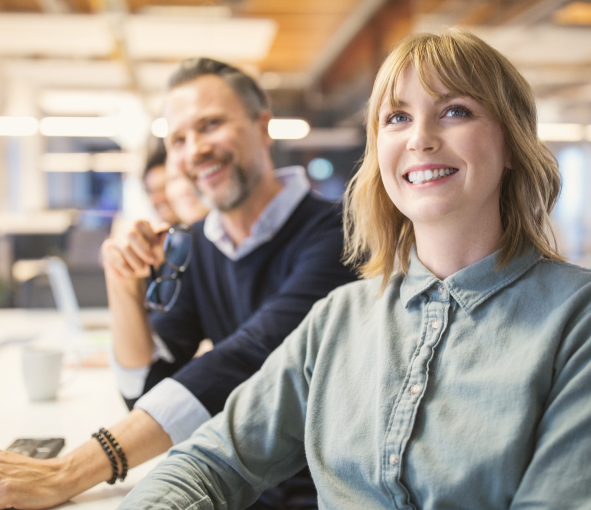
(65,162)
(116,162)
(288,129)
(18,126)
(279,129)
(79,126)
(560,132)
(187,11)
(84,162)
(83,102)
(160,128)
(162,38)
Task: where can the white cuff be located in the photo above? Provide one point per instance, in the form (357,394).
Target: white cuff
(175,408)
(131,381)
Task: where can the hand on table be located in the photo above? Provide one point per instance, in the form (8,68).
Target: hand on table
(27,483)
(131,256)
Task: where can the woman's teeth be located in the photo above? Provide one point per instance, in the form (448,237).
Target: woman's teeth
(421,176)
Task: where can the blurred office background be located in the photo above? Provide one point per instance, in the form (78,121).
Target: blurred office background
(81,86)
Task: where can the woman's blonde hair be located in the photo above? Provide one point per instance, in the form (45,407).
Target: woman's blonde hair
(378,236)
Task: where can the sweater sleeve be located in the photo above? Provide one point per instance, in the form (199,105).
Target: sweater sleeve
(316,271)
(257,441)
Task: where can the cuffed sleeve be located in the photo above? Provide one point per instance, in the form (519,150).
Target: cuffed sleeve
(175,408)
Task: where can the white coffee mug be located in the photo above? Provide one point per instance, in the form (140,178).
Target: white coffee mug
(41,372)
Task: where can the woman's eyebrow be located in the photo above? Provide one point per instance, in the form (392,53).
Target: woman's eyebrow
(446,97)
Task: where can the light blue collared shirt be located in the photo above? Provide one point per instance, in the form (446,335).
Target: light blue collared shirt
(172,405)
(468,393)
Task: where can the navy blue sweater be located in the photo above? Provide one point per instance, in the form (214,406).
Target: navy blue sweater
(247,307)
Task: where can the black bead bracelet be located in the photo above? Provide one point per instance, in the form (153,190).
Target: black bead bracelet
(118,450)
(109,454)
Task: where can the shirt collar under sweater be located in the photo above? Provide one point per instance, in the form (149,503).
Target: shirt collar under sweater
(295,187)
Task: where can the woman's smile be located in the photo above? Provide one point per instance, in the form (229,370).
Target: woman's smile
(420,174)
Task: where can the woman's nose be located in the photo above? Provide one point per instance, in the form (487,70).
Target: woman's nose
(424,137)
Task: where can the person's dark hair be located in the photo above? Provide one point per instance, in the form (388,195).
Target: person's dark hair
(156,158)
(248,91)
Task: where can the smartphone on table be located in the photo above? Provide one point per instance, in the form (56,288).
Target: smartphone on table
(38,448)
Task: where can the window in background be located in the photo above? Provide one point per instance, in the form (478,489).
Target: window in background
(572,214)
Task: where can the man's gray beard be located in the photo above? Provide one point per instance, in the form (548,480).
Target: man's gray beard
(239,189)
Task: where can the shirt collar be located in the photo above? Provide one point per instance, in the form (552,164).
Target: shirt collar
(472,285)
(295,186)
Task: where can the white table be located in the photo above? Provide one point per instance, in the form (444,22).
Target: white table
(87,401)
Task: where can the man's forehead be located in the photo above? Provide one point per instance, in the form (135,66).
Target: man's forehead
(204,93)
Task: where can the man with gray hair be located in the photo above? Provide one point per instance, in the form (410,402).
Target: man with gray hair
(243,278)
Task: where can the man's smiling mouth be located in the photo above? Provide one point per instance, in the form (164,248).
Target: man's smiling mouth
(421,176)
(209,170)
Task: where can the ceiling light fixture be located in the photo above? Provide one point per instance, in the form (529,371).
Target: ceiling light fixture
(18,126)
(79,126)
(560,132)
(160,128)
(288,129)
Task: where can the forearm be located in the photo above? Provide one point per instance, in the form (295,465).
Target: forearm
(34,484)
(132,337)
(141,439)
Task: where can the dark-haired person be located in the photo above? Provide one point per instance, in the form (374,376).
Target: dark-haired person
(154,178)
(266,252)
(462,379)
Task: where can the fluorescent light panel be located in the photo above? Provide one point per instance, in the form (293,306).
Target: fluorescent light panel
(79,126)
(18,126)
(561,132)
(83,162)
(279,129)
(288,129)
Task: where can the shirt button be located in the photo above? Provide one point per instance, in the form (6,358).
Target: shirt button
(415,388)
(435,323)
(441,289)
(393,459)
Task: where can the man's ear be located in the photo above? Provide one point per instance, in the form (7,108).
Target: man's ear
(263,120)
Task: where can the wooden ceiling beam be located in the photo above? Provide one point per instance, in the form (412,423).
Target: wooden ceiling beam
(366,51)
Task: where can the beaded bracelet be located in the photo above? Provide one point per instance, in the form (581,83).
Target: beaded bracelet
(112,458)
(118,450)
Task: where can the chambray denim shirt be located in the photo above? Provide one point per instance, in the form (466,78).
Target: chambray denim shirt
(469,393)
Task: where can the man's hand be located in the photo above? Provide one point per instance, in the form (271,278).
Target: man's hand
(127,262)
(131,256)
(27,483)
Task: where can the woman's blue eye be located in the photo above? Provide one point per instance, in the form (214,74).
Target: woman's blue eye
(457,111)
(397,117)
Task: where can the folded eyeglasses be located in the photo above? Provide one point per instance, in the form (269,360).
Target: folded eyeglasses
(178,250)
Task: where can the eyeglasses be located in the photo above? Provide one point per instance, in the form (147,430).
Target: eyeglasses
(178,250)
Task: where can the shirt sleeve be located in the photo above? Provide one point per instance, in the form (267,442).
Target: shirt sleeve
(175,408)
(131,381)
(257,441)
(317,271)
(558,474)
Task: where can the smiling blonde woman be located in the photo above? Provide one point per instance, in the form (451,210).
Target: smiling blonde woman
(458,375)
